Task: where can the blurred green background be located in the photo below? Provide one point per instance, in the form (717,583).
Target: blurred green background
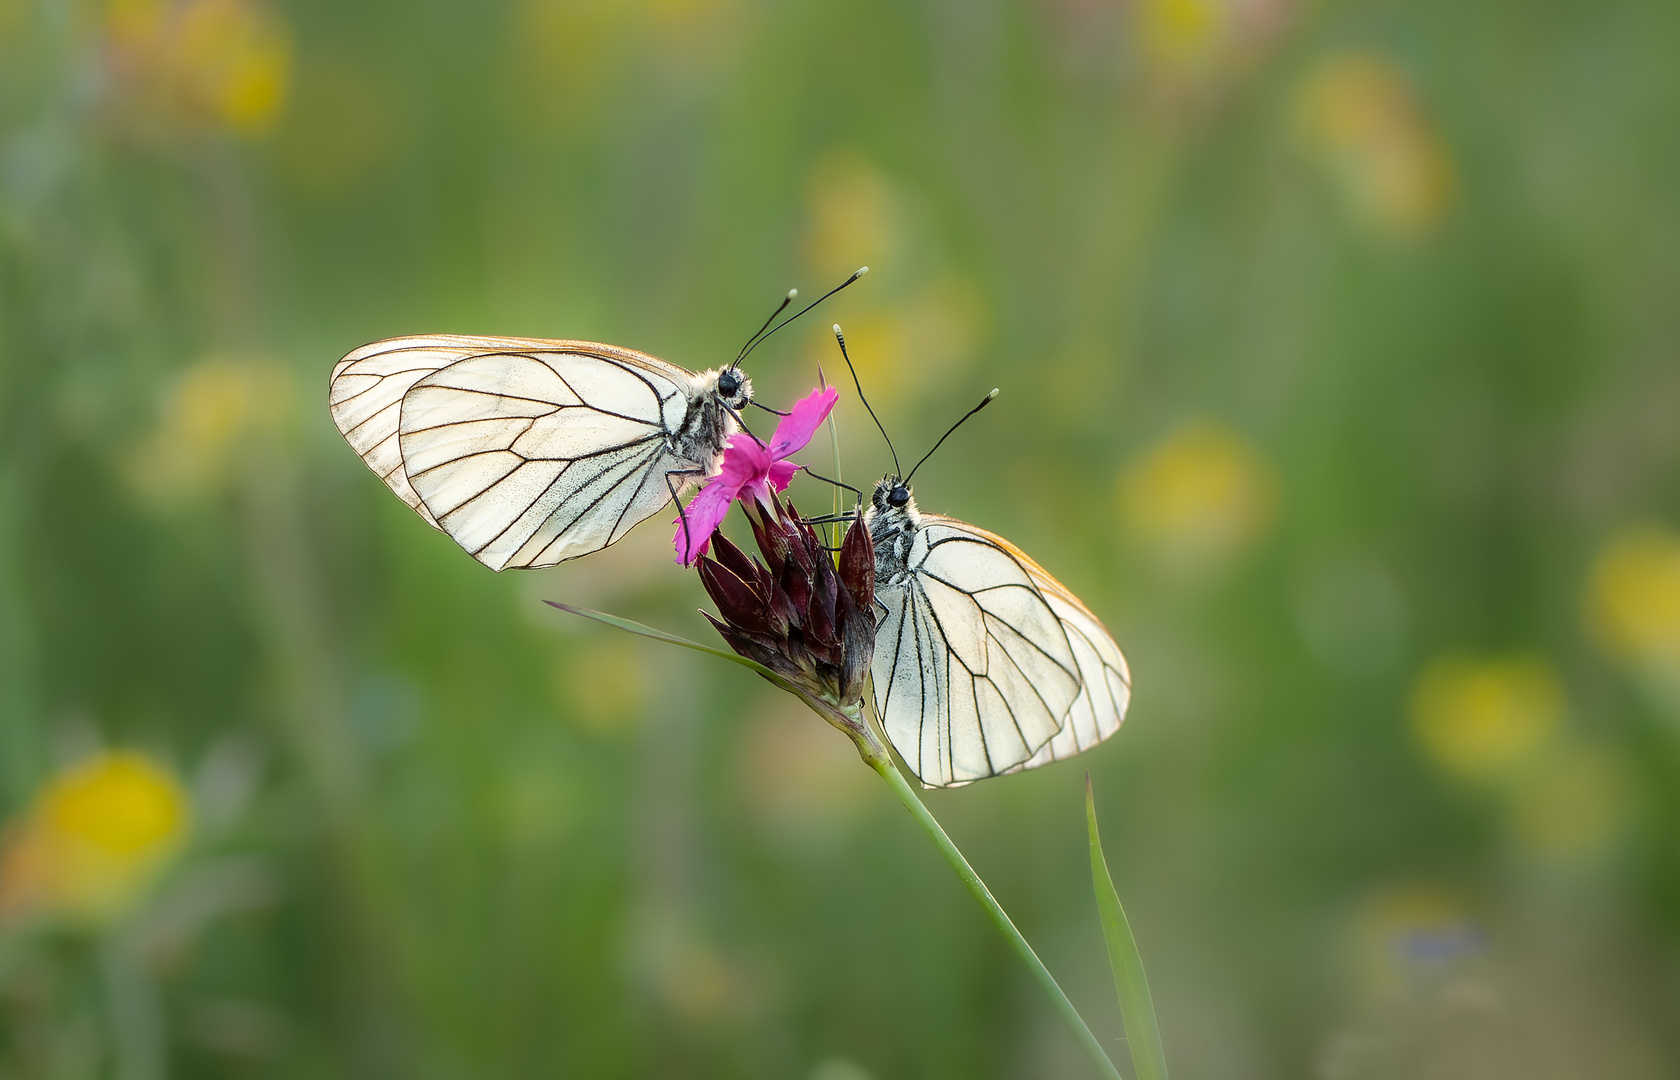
(1338,345)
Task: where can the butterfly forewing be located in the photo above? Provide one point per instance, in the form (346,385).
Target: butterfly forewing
(526,452)
(973,672)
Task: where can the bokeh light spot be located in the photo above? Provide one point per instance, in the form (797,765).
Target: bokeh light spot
(175,67)
(1409,932)
(1199,496)
(208,409)
(1361,115)
(94,837)
(1633,597)
(1478,717)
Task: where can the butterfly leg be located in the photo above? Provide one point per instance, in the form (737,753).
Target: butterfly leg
(675,490)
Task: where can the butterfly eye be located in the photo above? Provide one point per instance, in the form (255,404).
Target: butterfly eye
(898,496)
(729,384)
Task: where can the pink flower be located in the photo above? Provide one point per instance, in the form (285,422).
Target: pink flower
(751,471)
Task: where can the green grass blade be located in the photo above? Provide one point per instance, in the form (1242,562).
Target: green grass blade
(1137,1008)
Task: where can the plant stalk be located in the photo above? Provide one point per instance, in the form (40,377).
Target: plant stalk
(884,765)
(857,726)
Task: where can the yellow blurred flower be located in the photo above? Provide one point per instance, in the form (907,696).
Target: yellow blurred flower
(1633,598)
(851,211)
(1188,47)
(177,65)
(209,407)
(1182,35)
(1361,114)
(899,352)
(1478,717)
(1573,805)
(1198,496)
(94,838)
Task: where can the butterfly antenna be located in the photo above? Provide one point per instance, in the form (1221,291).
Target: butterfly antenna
(792,295)
(837,483)
(841,338)
(739,419)
(985,401)
(764,336)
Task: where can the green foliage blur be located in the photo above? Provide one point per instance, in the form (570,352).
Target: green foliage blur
(1340,358)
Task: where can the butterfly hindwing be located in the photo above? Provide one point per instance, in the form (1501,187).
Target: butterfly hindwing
(1105,680)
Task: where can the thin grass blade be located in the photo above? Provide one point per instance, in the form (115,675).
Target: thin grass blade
(643,630)
(1137,1008)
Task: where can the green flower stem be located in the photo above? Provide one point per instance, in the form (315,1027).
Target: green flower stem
(857,726)
(884,765)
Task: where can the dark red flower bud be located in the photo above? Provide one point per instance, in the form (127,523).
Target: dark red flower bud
(796,612)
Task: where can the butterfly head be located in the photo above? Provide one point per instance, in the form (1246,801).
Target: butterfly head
(734,390)
(892,501)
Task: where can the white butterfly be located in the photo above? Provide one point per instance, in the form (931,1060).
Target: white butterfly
(530,452)
(984,663)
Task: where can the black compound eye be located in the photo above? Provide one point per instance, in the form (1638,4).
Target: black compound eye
(729,384)
(898,496)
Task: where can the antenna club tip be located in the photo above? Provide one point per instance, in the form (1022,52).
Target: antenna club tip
(836,328)
(995,392)
(793,294)
(862,270)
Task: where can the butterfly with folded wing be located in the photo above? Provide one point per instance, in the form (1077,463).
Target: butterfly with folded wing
(528,452)
(984,663)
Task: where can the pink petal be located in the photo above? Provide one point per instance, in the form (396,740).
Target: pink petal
(704,514)
(749,471)
(743,459)
(797,427)
(781,474)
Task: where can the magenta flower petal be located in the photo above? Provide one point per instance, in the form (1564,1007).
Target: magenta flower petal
(797,427)
(781,475)
(704,514)
(750,471)
(743,461)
